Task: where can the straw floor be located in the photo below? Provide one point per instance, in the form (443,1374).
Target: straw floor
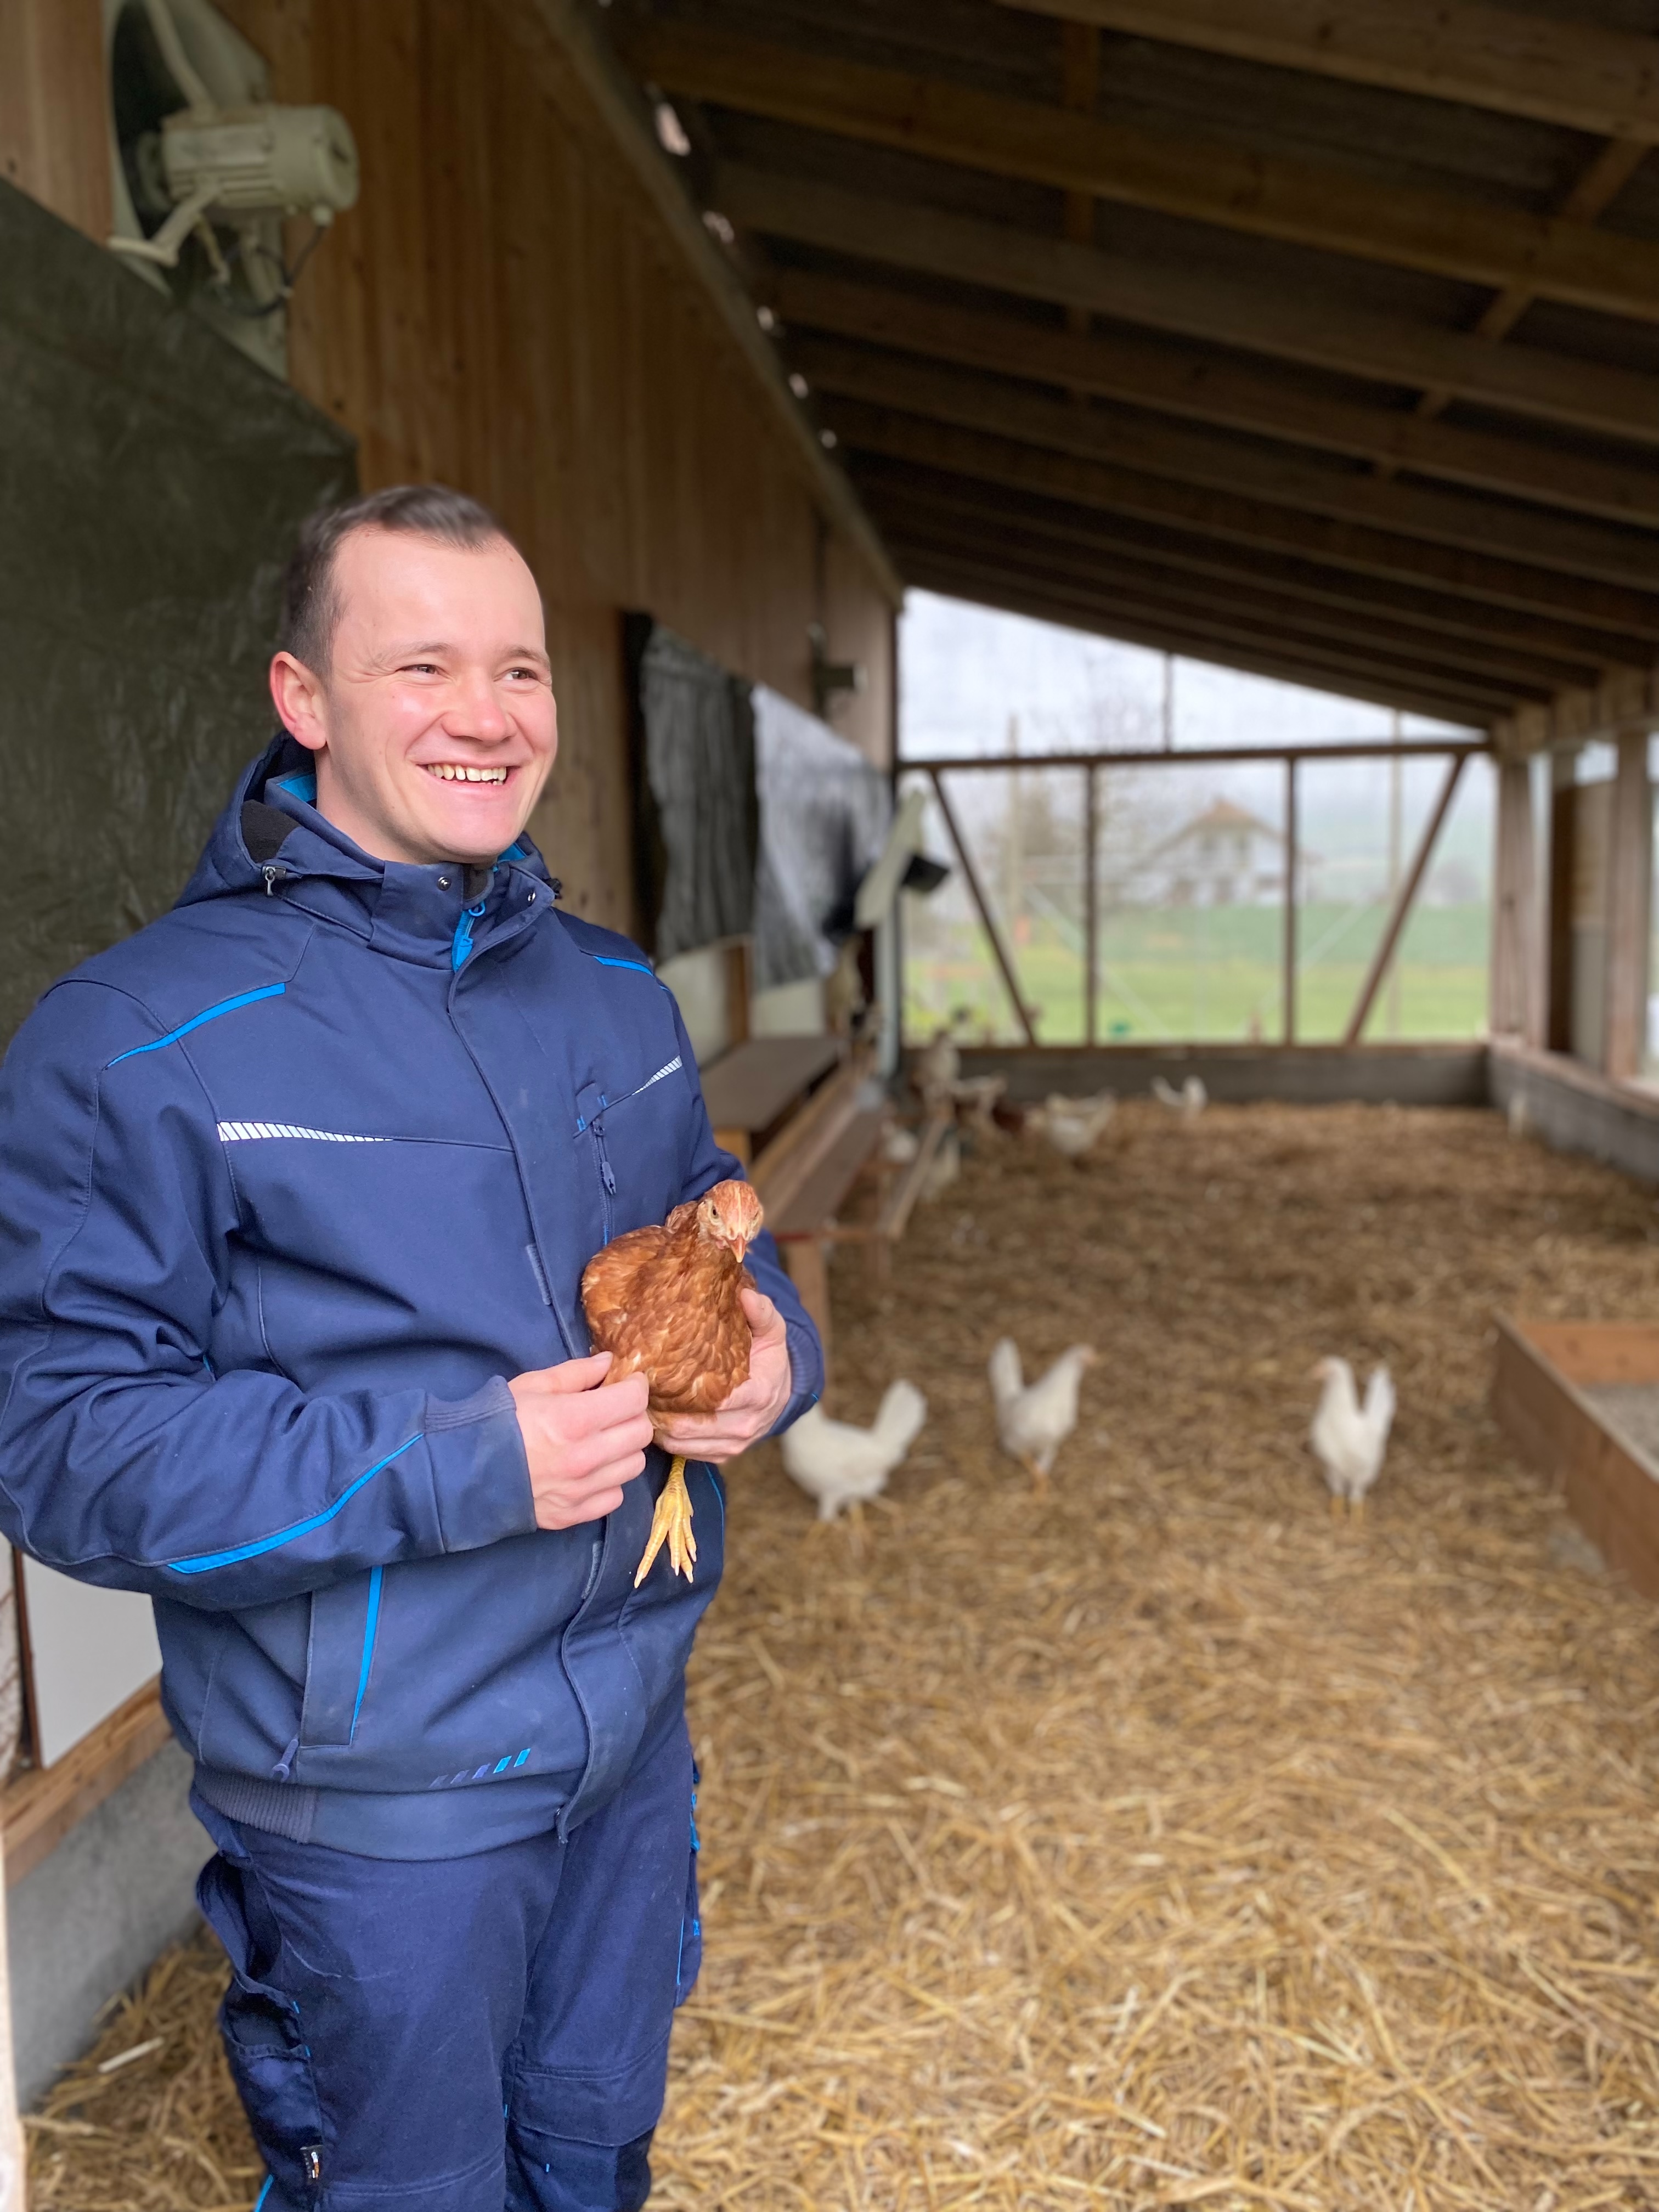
(1163,1842)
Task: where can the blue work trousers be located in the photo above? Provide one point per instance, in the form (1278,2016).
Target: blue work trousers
(478,2034)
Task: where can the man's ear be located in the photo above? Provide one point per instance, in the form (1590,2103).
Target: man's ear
(297,695)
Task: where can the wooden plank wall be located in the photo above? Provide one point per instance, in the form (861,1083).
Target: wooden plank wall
(503,311)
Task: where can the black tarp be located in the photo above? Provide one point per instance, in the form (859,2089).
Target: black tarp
(696,810)
(825,814)
(151,481)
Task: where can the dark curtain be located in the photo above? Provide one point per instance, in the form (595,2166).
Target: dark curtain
(151,481)
(696,811)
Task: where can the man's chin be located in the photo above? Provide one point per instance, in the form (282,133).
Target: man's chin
(471,830)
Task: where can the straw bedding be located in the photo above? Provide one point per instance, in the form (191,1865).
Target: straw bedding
(1166,1844)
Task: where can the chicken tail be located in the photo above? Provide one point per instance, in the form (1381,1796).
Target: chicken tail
(1007,1377)
(1380,1403)
(899,1418)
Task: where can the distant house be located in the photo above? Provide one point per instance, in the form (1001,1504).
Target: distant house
(1224,856)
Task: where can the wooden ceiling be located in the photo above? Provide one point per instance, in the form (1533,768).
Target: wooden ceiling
(1318,338)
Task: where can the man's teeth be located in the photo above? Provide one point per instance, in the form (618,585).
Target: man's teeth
(450,772)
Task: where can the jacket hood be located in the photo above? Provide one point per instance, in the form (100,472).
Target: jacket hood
(271,837)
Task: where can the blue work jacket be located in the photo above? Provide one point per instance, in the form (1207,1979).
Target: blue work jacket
(291,1182)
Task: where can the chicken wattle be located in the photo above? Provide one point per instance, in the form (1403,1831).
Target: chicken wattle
(666,1302)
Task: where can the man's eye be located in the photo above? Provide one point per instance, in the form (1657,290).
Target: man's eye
(422,668)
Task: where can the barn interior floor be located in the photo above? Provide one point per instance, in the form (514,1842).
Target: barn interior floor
(1163,1842)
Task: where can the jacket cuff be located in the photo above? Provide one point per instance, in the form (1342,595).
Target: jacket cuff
(480,1476)
(805,1374)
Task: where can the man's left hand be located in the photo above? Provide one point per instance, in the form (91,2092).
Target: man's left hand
(754,1407)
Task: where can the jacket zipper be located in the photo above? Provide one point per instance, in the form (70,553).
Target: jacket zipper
(273,875)
(461,944)
(606,1177)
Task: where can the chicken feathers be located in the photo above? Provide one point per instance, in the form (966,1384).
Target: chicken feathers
(1034,1419)
(841,1465)
(1349,1440)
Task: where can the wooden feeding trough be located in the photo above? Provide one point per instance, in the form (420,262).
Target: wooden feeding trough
(1581,1400)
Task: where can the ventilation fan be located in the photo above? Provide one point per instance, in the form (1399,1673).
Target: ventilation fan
(207,167)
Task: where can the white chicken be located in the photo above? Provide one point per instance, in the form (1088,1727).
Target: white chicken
(938,1069)
(1349,1439)
(1189,1102)
(1072,1124)
(1034,1419)
(841,1465)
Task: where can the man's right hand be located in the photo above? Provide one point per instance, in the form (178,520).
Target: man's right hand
(582,1443)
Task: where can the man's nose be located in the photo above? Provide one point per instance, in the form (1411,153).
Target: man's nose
(478,712)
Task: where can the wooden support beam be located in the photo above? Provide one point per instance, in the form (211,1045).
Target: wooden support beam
(1626,699)
(1239,609)
(1292,845)
(1514,906)
(1556,69)
(1338,749)
(1300,203)
(1608,552)
(1499,636)
(40,1807)
(1262,657)
(1302,326)
(1402,909)
(1129,490)
(1198,386)
(976,891)
(1630,892)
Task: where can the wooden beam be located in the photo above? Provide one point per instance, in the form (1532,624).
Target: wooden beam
(40,1807)
(1200,621)
(1629,895)
(620,109)
(1338,749)
(1515,905)
(1310,203)
(976,891)
(901,498)
(1181,380)
(1301,326)
(1610,552)
(1500,671)
(1124,490)
(1554,69)
(1626,699)
(1402,905)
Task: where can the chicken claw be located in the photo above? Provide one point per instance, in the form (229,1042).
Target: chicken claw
(671,1524)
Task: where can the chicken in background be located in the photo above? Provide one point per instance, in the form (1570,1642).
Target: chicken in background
(938,1069)
(1349,1439)
(1072,1124)
(1034,1419)
(1189,1102)
(841,1465)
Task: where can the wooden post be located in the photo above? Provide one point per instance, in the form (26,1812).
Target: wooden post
(12,2167)
(1563,853)
(976,892)
(1289,899)
(805,1259)
(1091,903)
(1402,905)
(1629,908)
(1515,904)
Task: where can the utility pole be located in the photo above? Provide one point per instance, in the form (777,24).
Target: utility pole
(1013,890)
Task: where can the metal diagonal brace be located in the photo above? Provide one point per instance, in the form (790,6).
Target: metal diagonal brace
(1402,906)
(977,890)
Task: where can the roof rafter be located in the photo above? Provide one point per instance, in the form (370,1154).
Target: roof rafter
(1441,517)
(1152,373)
(1301,203)
(1127,490)
(1575,74)
(1201,305)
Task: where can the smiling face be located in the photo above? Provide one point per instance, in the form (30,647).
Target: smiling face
(434,726)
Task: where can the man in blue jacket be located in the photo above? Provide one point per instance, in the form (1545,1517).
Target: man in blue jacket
(298,1186)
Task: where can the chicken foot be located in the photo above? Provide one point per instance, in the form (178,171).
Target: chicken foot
(1033,1466)
(671,1524)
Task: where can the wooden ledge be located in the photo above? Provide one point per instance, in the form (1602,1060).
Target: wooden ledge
(41,1805)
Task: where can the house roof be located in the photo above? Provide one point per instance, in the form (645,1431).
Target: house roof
(1318,338)
(1220,814)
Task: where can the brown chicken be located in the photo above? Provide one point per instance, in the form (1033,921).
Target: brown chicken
(666,1302)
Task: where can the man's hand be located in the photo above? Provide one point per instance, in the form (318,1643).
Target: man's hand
(582,1443)
(754,1406)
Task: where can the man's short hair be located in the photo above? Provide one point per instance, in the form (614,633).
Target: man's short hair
(311,599)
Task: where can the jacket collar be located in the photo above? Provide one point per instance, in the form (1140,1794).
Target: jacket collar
(410,913)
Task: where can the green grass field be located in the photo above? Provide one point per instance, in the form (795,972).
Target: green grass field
(1210,973)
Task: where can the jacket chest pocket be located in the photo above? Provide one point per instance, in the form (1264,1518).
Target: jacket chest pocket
(632,1142)
(345,1621)
(591,1106)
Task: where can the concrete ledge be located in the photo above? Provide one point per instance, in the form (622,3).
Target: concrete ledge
(94,1914)
(1576,1109)
(1302,1075)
